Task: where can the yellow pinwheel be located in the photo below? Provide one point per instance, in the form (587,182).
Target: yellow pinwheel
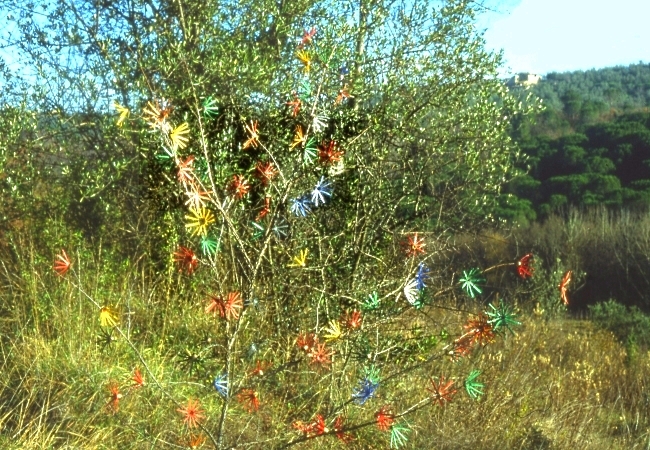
(124,113)
(178,136)
(300,260)
(107,318)
(199,219)
(333,331)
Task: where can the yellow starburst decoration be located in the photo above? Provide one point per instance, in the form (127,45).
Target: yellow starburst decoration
(299,138)
(300,260)
(177,136)
(107,317)
(199,219)
(333,331)
(124,113)
(306,59)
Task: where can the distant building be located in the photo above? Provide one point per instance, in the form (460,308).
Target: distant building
(524,79)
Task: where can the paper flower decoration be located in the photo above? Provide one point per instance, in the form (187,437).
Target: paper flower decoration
(470,280)
(385,418)
(156,115)
(124,113)
(309,153)
(501,317)
(196,198)
(472,386)
(265,171)
(186,259)
(319,122)
(329,153)
(320,354)
(210,108)
(398,435)
(306,341)
(414,246)
(321,190)
(107,317)
(339,429)
(443,391)
(371,302)
(192,413)
(185,172)
(300,260)
(354,320)
(138,380)
(295,105)
(265,209)
(62,263)
(115,396)
(411,292)
(301,206)
(209,246)
(305,58)
(421,276)
(178,136)
(220,384)
(253,136)
(250,399)
(566,279)
(333,331)
(239,186)
(198,221)
(344,93)
(365,391)
(480,330)
(308,36)
(524,266)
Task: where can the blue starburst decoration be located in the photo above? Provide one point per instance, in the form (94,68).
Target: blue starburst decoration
(421,276)
(365,391)
(322,190)
(301,206)
(220,384)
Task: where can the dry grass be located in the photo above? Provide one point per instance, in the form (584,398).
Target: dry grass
(557,384)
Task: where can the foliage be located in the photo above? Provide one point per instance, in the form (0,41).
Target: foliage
(626,322)
(283,163)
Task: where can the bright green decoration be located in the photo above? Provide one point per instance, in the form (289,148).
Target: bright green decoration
(210,108)
(210,246)
(371,372)
(472,386)
(309,154)
(398,435)
(502,317)
(371,303)
(470,281)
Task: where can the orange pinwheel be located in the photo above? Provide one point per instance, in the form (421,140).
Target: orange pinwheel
(566,279)
(62,263)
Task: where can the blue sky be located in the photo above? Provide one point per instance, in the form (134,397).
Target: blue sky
(543,36)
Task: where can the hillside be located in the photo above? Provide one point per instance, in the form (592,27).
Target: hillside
(590,145)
